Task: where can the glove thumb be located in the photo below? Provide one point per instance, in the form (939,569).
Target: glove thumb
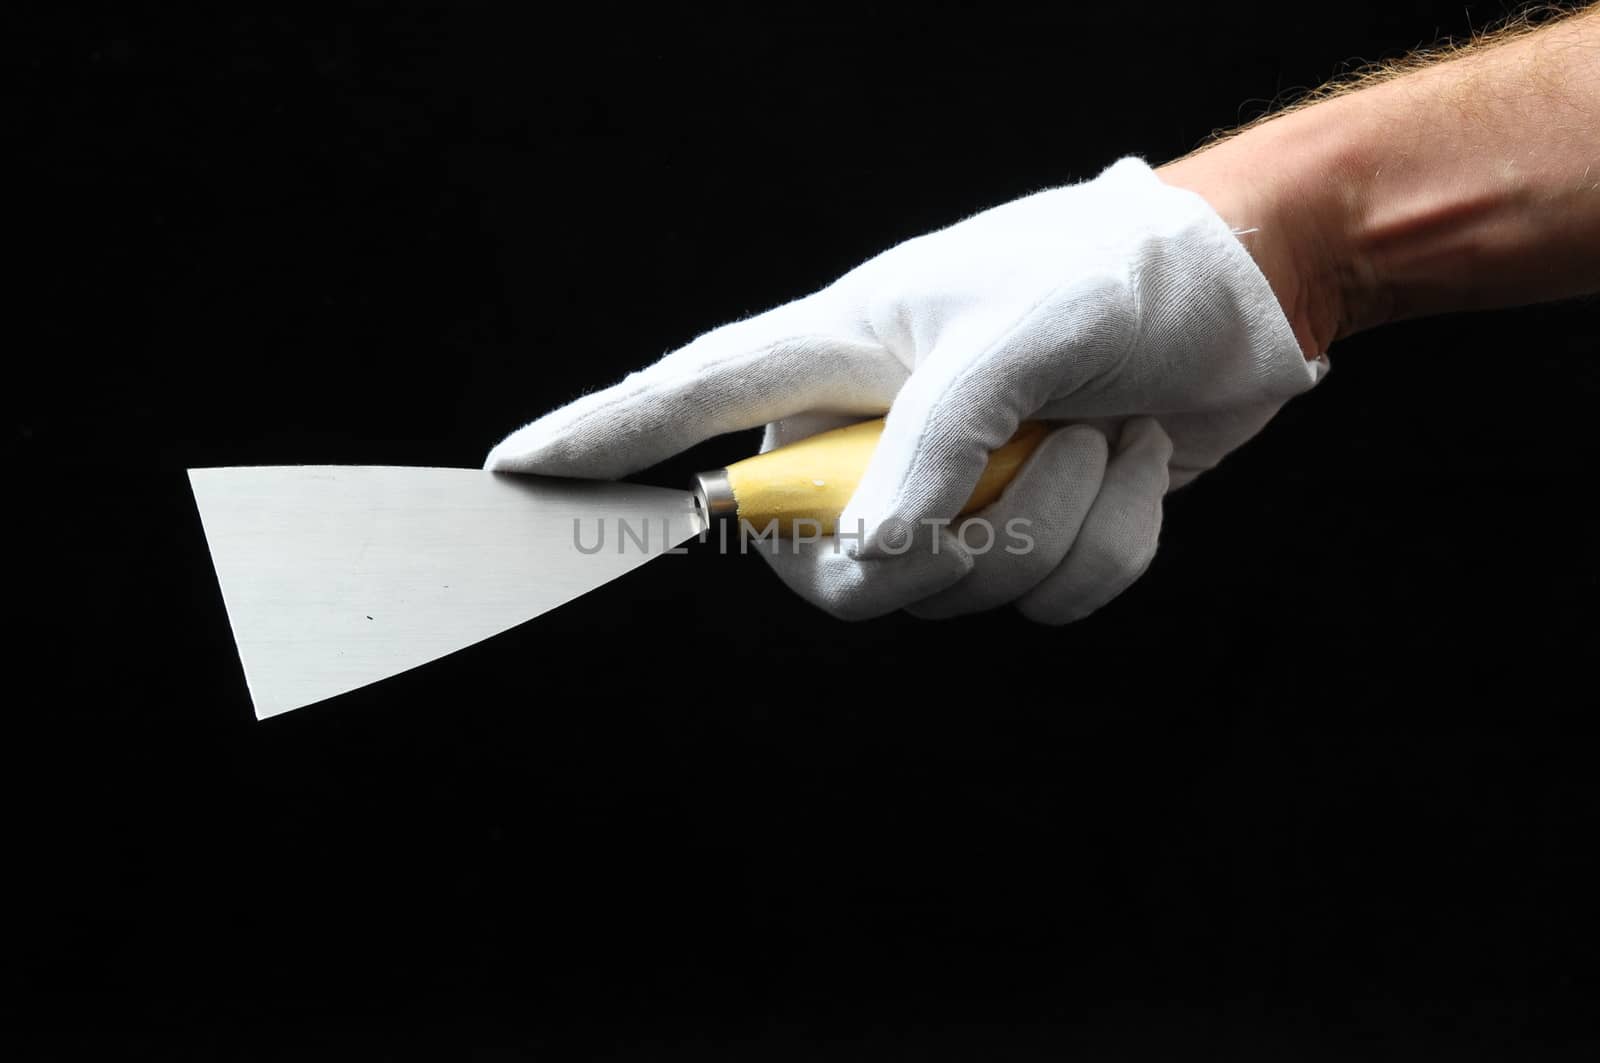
(739,376)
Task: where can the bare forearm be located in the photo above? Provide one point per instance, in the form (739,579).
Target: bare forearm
(1466,184)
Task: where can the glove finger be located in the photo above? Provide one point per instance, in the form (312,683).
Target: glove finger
(848,588)
(797,357)
(954,411)
(1118,537)
(1022,536)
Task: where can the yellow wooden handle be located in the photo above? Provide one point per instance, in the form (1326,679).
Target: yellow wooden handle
(811,480)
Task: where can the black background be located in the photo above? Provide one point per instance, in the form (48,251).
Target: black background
(1321,786)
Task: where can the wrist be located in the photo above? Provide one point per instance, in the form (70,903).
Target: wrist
(1288,190)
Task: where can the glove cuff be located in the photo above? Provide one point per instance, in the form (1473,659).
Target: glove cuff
(1217,278)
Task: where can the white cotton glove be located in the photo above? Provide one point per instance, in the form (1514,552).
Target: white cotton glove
(1122,303)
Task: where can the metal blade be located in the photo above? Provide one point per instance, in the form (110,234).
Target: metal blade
(336,576)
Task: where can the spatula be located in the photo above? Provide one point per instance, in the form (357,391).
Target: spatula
(336,576)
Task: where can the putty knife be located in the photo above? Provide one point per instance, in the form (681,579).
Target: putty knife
(336,576)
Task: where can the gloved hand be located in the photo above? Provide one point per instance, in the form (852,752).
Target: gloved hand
(1122,303)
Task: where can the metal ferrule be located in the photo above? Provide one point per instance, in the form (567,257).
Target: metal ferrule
(713,496)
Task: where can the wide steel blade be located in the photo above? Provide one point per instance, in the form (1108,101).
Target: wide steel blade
(336,576)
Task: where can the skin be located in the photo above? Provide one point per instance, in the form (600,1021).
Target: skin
(1466,184)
